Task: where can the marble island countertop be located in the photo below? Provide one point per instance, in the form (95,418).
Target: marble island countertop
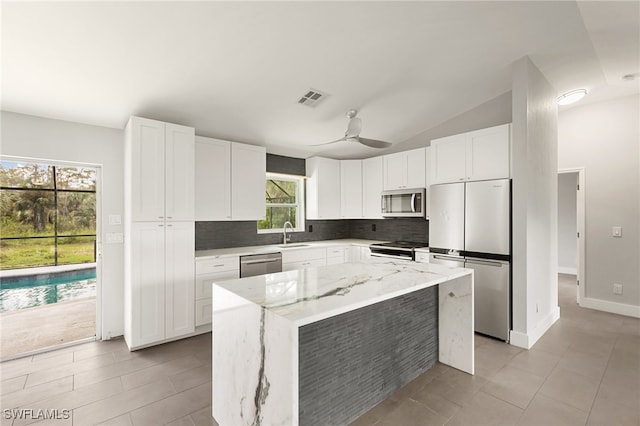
(274,248)
(313,294)
(280,341)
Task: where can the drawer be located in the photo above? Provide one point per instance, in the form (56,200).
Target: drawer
(204,281)
(292,266)
(422,257)
(289,256)
(207,266)
(336,252)
(204,310)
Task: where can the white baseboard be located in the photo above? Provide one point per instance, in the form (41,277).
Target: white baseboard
(612,307)
(567,270)
(527,340)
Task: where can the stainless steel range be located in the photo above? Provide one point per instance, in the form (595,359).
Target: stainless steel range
(397,249)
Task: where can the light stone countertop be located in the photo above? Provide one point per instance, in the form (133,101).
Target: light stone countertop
(313,294)
(274,248)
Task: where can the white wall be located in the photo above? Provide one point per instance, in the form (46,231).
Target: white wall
(41,138)
(535,215)
(567,223)
(604,138)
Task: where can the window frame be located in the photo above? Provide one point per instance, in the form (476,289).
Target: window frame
(300,203)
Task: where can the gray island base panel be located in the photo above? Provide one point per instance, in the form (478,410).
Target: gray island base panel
(265,329)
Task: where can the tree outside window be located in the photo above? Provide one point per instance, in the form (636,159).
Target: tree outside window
(284,202)
(47,214)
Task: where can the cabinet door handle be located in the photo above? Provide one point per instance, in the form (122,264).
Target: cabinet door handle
(160,225)
(160,217)
(169,224)
(461,179)
(169,217)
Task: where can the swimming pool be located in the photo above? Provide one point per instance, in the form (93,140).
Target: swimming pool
(37,290)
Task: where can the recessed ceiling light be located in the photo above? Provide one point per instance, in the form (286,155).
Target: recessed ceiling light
(571,97)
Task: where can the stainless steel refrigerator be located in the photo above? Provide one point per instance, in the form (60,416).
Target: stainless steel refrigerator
(470,226)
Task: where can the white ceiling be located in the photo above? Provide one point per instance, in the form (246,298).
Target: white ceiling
(235,70)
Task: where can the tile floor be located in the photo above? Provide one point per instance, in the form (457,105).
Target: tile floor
(584,370)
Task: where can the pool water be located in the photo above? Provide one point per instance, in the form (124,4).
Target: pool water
(28,292)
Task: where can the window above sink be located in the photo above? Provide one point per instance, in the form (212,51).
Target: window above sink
(284,202)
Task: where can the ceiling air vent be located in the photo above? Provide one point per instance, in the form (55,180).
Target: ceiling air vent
(312,98)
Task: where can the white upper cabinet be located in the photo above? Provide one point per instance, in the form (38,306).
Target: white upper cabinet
(323,188)
(404,169)
(448,159)
(159,161)
(213,179)
(488,154)
(145,168)
(179,177)
(351,188)
(427,182)
(416,168)
(248,181)
(230,180)
(478,155)
(372,177)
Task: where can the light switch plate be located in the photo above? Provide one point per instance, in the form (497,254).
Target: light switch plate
(617,231)
(115,219)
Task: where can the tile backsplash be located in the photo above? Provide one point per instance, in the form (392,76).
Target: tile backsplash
(213,235)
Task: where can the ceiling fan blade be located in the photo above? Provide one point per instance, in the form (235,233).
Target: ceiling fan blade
(328,143)
(354,128)
(373,143)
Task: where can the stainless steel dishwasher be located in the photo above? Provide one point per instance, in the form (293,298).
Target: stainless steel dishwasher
(260,264)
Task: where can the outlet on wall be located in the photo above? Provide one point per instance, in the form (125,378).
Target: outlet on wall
(617,289)
(617,231)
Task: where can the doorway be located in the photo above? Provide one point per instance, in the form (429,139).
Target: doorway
(49,259)
(571,234)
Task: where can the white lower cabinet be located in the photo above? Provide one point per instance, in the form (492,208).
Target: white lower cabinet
(422,257)
(204,311)
(358,253)
(209,271)
(337,255)
(305,258)
(159,288)
(303,264)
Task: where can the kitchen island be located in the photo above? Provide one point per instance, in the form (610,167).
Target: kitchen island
(324,345)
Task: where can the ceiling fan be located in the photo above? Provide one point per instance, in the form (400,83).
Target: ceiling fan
(353,133)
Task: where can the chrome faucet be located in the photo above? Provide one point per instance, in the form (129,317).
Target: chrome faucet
(286,238)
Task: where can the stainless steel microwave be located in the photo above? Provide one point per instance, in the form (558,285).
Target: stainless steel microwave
(403,203)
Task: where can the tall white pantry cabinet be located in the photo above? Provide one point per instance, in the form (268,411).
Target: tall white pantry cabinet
(159,232)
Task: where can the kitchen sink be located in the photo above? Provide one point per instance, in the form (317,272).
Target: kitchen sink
(293,245)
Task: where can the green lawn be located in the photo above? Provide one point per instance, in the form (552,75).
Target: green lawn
(15,254)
